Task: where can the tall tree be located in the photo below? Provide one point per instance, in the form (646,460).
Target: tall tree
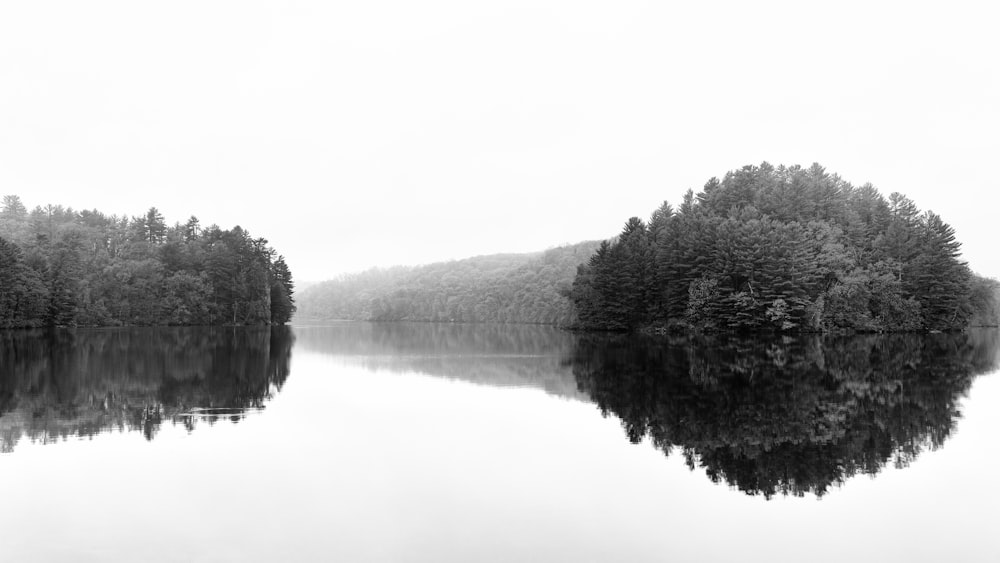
(155,226)
(282,289)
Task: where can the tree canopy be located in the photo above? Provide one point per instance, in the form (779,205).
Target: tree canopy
(786,248)
(61,267)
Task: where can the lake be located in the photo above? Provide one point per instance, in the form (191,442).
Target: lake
(446,442)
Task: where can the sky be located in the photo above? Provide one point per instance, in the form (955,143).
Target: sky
(375,133)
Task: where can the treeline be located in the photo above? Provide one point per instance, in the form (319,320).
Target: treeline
(500,288)
(61,267)
(783,248)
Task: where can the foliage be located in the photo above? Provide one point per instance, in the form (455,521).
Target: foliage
(787,249)
(984,299)
(500,288)
(60,267)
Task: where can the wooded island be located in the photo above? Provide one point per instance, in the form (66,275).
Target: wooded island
(60,267)
(786,248)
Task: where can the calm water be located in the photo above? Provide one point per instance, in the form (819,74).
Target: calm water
(420,442)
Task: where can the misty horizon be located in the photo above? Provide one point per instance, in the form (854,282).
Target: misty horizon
(361,136)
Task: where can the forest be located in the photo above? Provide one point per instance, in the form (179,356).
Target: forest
(499,288)
(784,249)
(61,267)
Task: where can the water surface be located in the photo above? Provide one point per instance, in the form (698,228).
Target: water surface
(424,442)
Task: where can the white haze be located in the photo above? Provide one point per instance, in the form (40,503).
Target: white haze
(354,134)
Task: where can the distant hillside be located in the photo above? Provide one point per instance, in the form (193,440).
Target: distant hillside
(499,288)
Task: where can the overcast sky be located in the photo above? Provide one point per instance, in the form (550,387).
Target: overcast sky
(371,133)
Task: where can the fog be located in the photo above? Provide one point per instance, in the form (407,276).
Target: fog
(377,133)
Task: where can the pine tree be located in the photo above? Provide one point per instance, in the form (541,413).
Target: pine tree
(155,226)
(282,289)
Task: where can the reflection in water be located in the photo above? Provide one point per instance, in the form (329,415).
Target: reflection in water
(768,415)
(413,339)
(61,383)
(765,415)
(495,355)
(789,415)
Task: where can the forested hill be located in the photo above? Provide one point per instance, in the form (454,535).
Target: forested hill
(781,248)
(61,267)
(500,288)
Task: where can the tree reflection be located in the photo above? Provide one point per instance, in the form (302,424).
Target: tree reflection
(789,415)
(508,355)
(61,383)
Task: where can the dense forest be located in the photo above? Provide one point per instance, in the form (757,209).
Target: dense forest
(786,248)
(500,288)
(60,267)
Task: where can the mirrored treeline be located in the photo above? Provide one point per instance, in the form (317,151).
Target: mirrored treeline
(497,355)
(791,415)
(786,416)
(61,383)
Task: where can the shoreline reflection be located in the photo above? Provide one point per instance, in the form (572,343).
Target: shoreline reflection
(494,355)
(765,415)
(57,384)
(791,415)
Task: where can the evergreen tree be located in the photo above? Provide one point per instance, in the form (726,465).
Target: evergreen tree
(155,227)
(282,288)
